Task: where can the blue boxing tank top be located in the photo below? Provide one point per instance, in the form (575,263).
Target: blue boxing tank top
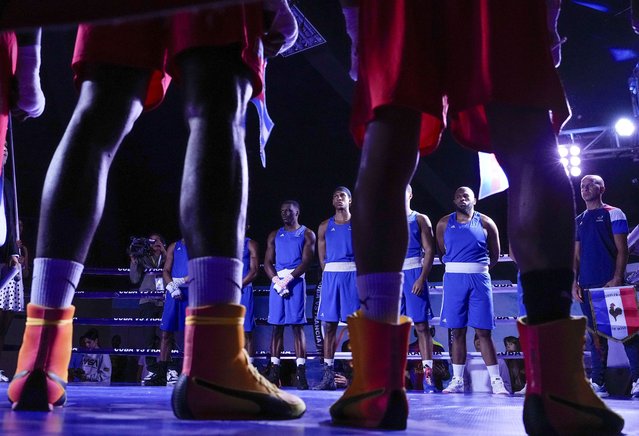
(415,248)
(180,266)
(465,242)
(339,242)
(246,258)
(288,248)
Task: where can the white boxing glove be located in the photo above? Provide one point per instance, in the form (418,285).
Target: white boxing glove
(179,281)
(288,279)
(283,31)
(174,290)
(30,96)
(280,287)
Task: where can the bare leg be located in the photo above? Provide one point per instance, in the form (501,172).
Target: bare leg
(330,332)
(487,347)
(300,341)
(277,340)
(215,181)
(538,183)
(425,340)
(458,346)
(75,185)
(165,346)
(392,137)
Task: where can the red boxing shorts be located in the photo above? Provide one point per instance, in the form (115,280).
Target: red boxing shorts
(454,57)
(8,58)
(153,44)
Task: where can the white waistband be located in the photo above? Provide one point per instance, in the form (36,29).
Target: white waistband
(340,267)
(284,272)
(413,262)
(466,267)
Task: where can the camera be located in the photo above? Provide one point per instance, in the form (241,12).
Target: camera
(141,247)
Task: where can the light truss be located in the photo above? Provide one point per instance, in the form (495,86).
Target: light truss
(601,142)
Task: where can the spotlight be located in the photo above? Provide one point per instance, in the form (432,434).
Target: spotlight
(624,127)
(564,161)
(563,150)
(575,161)
(575,171)
(575,150)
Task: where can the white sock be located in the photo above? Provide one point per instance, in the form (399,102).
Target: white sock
(214,280)
(329,362)
(275,360)
(427,363)
(493,371)
(300,361)
(54,282)
(379,295)
(458,370)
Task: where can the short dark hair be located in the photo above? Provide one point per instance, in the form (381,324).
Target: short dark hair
(291,202)
(511,339)
(92,334)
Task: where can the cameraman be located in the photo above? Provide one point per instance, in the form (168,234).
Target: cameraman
(143,256)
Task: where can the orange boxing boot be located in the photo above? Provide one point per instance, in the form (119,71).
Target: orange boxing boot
(217,380)
(377,397)
(559,399)
(43,362)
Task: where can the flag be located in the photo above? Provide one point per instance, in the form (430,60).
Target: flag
(614,311)
(492,177)
(266,123)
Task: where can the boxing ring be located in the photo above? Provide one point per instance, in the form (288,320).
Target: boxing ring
(127,409)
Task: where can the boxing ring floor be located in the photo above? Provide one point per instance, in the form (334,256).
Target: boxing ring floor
(137,410)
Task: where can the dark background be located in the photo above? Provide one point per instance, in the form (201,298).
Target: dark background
(310,151)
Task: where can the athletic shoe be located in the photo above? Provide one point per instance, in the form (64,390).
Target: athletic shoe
(377,396)
(154,379)
(497,384)
(43,362)
(217,380)
(3,378)
(634,393)
(171,377)
(559,399)
(600,390)
(300,376)
(522,391)
(456,386)
(429,386)
(273,374)
(328,379)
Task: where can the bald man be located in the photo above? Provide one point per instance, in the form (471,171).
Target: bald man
(601,255)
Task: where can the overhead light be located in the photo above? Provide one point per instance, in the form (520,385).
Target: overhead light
(624,127)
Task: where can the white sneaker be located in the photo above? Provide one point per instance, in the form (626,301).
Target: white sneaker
(456,386)
(498,386)
(5,379)
(601,391)
(522,392)
(634,393)
(171,377)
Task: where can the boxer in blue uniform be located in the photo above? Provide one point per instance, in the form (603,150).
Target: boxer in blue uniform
(338,298)
(175,275)
(250,262)
(415,297)
(469,244)
(601,255)
(289,252)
